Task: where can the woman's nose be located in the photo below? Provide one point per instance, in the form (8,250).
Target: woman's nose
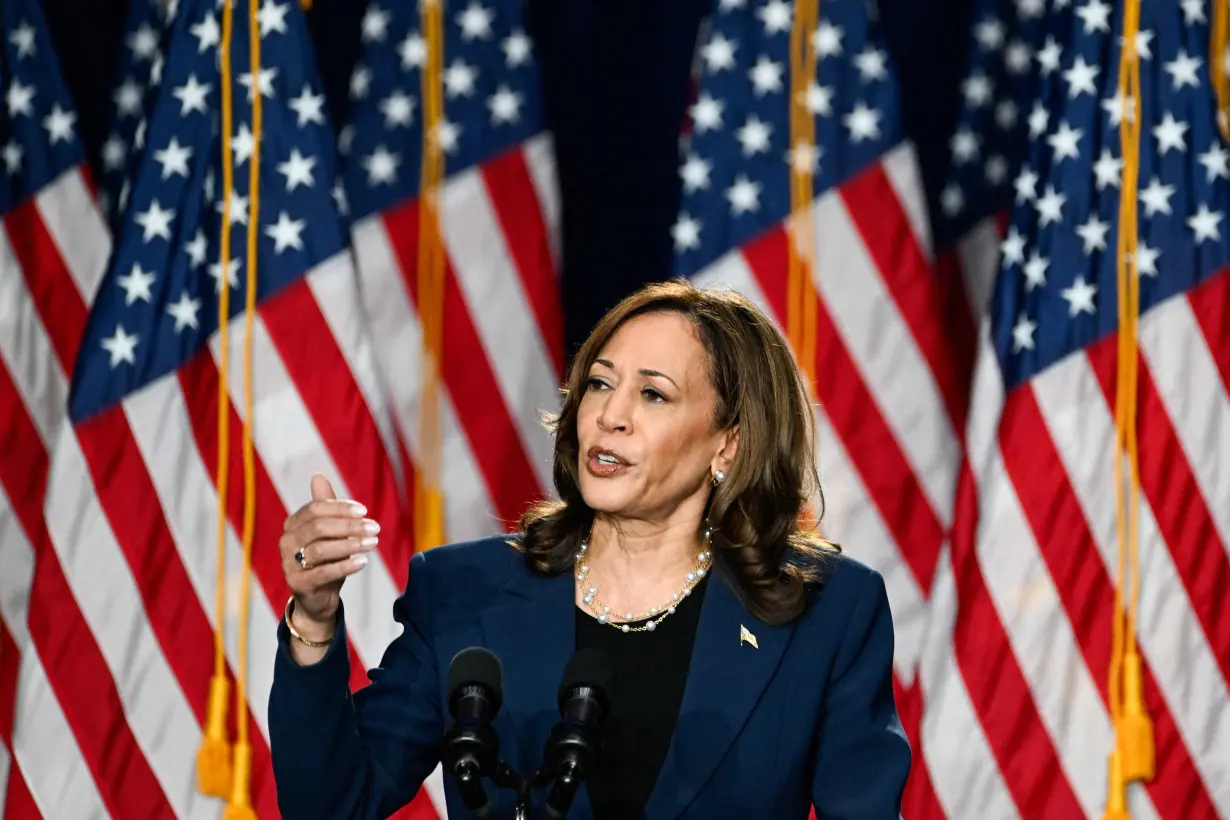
(615,413)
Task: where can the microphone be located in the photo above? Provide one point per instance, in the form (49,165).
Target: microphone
(573,747)
(470,748)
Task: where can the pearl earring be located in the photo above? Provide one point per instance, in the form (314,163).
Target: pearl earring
(718,478)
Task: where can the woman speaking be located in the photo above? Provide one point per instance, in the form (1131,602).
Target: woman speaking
(750,661)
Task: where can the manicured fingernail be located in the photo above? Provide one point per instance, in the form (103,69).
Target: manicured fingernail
(371,527)
(357,509)
(369,543)
(361,560)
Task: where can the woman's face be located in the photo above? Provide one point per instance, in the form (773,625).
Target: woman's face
(645,424)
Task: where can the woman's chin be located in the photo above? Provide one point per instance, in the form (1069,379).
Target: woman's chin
(603,496)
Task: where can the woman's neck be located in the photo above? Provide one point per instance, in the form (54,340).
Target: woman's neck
(629,552)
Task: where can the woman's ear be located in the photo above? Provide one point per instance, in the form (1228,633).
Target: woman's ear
(729,446)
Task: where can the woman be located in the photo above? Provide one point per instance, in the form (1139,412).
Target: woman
(753,660)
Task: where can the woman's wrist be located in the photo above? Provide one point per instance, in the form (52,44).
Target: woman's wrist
(308,630)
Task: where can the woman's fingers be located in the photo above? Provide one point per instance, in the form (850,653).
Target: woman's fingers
(305,581)
(335,549)
(321,529)
(322,542)
(332,508)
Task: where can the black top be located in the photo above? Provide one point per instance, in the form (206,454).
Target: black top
(651,669)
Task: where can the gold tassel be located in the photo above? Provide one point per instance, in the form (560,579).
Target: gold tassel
(428,517)
(428,497)
(801,297)
(1134,730)
(1116,796)
(213,759)
(1134,745)
(240,807)
(213,763)
(1219,39)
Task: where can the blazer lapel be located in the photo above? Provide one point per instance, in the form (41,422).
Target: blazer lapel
(534,635)
(726,677)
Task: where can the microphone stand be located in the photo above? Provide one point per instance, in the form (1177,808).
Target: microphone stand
(506,777)
(564,783)
(469,783)
(559,801)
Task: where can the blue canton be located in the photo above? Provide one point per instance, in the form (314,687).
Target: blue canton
(142,61)
(38,123)
(736,164)
(1039,140)
(158,303)
(492,100)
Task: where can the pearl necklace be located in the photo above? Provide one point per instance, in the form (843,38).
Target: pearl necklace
(655,616)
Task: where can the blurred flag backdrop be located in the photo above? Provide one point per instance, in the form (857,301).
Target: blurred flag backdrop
(959,313)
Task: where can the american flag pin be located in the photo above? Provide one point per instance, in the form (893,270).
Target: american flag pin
(747,637)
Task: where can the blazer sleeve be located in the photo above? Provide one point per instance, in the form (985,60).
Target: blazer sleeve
(863,755)
(363,756)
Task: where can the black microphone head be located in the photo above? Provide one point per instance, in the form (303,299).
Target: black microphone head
(574,747)
(476,666)
(588,667)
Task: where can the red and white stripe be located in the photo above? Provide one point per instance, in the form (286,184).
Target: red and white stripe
(993,524)
(889,391)
(107,575)
(503,349)
(1028,586)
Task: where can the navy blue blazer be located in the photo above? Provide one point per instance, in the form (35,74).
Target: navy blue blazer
(806,716)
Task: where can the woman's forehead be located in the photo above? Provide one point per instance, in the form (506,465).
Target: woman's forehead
(666,342)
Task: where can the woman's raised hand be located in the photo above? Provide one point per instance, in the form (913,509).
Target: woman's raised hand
(323,541)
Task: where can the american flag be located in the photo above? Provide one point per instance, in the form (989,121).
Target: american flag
(109,583)
(890,382)
(1015,676)
(140,68)
(110,599)
(503,356)
(51,726)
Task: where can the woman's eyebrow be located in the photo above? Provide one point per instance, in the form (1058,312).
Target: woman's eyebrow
(644,371)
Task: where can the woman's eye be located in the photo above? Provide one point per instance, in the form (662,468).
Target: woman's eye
(653,395)
(594,384)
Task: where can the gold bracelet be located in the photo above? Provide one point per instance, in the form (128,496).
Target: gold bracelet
(290,607)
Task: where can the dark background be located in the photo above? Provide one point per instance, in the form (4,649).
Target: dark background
(616,85)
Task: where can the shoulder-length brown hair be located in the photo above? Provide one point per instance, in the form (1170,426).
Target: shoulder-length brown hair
(759,542)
